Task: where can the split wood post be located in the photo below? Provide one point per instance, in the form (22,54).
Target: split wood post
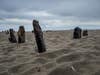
(12,37)
(85,32)
(21,34)
(39,37)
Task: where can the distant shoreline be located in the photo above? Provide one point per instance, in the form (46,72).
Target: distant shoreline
(60,30)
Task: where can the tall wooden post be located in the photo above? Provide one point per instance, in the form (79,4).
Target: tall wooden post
(21,34)
(12,37)
(39,37)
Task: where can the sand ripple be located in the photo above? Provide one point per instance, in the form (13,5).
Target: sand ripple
(64,56)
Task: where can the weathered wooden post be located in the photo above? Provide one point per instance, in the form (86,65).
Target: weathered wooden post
(32,31)
(77,33)
(7,32)
(12,37)
(85,33)
(21,34)
(39,37)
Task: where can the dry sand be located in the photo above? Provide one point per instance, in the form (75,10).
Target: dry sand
(64,56)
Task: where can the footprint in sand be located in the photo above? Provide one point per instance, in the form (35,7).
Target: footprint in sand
(69,58)
(16,68)
(86,67)
(4,73)
(63,71)
(49,65)
(35,70)
(97,73)
(55,54)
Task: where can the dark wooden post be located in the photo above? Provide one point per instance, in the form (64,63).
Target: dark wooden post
(7,32)
(32,31)
(77,33)
(39,36)
(12,37)
(21,34)
(85,33)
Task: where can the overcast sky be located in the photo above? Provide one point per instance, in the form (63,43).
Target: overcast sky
(50,13)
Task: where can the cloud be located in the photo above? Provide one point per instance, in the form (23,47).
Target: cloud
(56,13)
(16,21)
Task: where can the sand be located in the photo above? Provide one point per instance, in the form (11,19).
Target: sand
(64,55)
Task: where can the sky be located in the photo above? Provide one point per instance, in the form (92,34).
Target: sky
(51,14)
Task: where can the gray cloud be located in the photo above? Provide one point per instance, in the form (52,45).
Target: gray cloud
(83,9)
(58,11)
(78,8)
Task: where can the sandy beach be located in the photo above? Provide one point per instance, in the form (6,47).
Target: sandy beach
(64,55)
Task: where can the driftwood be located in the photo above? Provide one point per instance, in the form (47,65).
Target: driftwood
(77,33)
(12,37)
(85,33)
(21,34)
(39,36)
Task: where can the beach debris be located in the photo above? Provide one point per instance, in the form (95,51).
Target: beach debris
(73,69)
(39,37)
(63,71)
(12,37)
(21,34)
(77,33)
(85,32)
